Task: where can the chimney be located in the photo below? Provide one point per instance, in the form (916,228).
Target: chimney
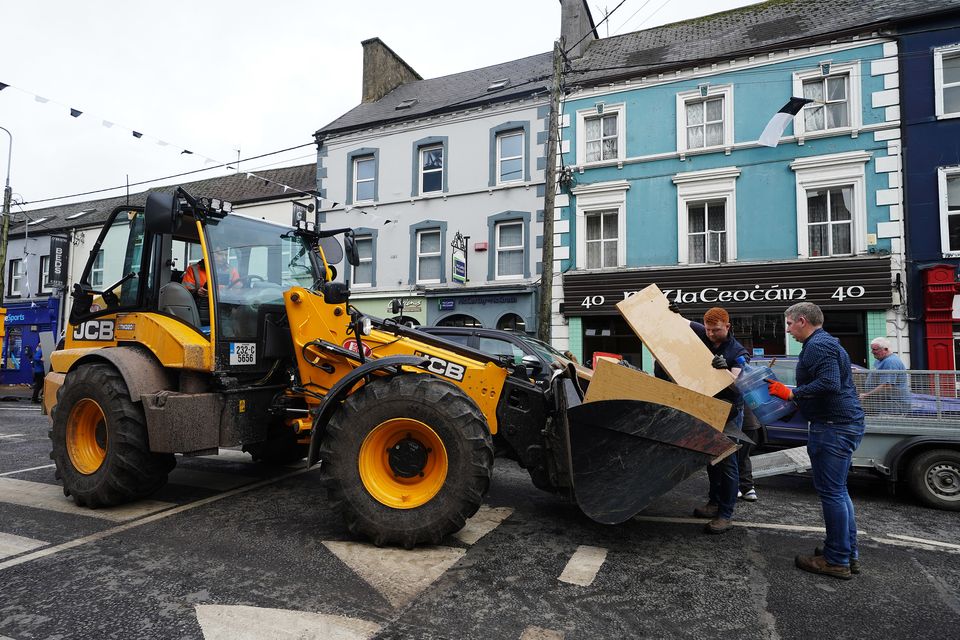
(383,70)
(576,24)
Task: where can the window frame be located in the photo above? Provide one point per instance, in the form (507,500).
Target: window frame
(583,115)
(834,170)
(950,51)
(685,98)
(44,275)
(849,69)
(423,171)
(94,269)
(15,274)
(601,197)
(500,157)
(944,174)
(419,255)
(416,177)
(353,158)
(498,249)
(361,234)
(357,180)
(702,186)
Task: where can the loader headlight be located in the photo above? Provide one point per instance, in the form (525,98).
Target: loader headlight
(366,326)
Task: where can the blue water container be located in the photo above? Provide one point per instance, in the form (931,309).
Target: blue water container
(752,383)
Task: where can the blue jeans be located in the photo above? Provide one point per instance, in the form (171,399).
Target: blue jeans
(725,479)
(831,448)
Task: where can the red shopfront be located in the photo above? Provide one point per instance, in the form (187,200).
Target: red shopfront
(755,294)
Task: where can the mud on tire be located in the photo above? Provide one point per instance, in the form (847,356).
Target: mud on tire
(99,439)
(455,447)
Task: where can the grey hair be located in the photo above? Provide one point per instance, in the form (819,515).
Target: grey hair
(807,310)
(883,343)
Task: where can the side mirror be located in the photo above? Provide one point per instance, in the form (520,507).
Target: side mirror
(533,365)
(335,293)
(162,212)
(350,247)
(396,306)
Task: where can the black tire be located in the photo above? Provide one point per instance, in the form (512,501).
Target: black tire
(934,477)
(280,448)
(446,412)
(128,470)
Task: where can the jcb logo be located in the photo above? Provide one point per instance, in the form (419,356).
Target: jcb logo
(101,330)
(443,368)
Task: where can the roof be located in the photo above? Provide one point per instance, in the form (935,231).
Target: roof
(771,25)
(242,188)
(526,76)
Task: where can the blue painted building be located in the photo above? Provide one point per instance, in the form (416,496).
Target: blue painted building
(667,184)
(930,94)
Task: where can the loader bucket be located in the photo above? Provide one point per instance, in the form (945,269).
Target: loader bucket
(627,453)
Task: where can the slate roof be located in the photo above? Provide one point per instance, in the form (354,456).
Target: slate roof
(776,24)
(234,188)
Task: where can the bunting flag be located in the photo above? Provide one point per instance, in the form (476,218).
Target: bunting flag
(75,112)
(107,124)
(137,134)
(774,129)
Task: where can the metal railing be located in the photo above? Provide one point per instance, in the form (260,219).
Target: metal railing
(917,394)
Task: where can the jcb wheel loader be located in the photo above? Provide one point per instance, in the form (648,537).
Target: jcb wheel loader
(271,356)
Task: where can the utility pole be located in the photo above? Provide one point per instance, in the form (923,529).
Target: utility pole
(5,233)
(545,312)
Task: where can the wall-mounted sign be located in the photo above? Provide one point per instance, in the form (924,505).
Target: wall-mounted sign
(57,271)
(446,304)
(458,257)
(459,269)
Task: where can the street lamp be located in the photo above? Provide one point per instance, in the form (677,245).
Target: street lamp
(7,195)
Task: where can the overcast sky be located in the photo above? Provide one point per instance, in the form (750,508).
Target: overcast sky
(216,76)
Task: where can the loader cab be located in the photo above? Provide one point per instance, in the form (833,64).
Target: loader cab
(138,265)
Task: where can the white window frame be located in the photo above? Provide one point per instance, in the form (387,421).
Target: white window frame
(944,174)
(697,186)
(97,269)
(438,254)
(583,114)
(373,247)
(938,54)
(44,275)
(835,170)
(508,249)
(500,157)
(854,99)
(357,180)
(596,197)
(421,171)
(686,97)
(16,277)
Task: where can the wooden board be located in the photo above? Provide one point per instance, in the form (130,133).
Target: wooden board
(614,382)
(671,341)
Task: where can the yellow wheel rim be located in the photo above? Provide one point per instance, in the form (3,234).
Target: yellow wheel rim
(403,463)
(86,436)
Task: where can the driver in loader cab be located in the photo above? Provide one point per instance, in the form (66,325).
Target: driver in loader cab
(195,281)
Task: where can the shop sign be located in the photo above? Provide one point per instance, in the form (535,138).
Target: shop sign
(459,269)
(447,304)
(57,271)
(481,300)
(857,283)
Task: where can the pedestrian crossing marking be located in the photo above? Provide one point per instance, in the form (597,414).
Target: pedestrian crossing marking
(50,497)
(485,520)
(208,479)
(11,545)
(584,565)
(243,622)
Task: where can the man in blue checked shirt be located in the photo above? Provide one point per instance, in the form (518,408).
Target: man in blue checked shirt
(828,398)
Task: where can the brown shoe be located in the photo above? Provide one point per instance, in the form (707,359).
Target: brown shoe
(718,525)
(854,562)
(706,511)
(819,564)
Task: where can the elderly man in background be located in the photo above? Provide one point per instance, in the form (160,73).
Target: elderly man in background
(887,391)
(828,398)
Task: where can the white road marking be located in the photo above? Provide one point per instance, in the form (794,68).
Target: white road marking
(208,479)
(11,435)
(40,495)
(100,535)
(485,520)
(19,408)
(11,545)
(13,473)
(934,543)
(539,633)
(736,523)
(916,544)
(222,622)
(399,575)
(584,565)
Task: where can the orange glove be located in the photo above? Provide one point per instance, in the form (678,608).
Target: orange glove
(779,390)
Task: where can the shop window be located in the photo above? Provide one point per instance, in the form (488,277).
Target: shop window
(15,277)
(460,320)
(512,322)
(946,74)
(835,91)
(45,275)
(705,118)
(602,132)
(949,196)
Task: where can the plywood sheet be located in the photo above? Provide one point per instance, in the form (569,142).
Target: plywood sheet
(668,337)
(614,382)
